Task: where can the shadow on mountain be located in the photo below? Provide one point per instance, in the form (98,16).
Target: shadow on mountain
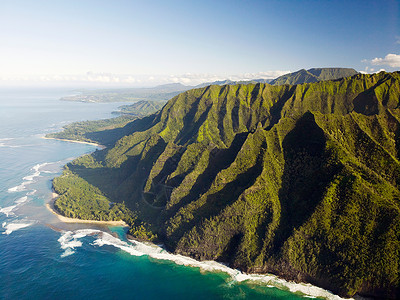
(217,202)
(305,177)
(219,159)
(108,137)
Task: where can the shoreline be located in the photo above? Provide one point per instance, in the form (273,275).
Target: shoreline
(267,279)
(51,208)
(304,287)
(75,141)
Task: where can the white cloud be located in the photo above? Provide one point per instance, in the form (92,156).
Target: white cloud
(391,60)
(397,39)
(194,79)
(369,70)
(111,80)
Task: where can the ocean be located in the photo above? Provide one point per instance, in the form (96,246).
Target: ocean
(43,258)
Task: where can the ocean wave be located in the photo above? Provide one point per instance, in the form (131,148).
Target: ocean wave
(29,178)
(32,176)
(19,188)
(14,226)
(69,240)
(67,252)
(4,145)
(31,192)
(22,199)
(36,168)
(8,210)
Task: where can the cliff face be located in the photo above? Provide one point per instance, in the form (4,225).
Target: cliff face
(302,181)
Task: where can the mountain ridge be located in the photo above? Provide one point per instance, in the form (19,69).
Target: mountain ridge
(266,178)
(165,92)
(313,75)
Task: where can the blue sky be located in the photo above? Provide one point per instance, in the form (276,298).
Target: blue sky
(144,42)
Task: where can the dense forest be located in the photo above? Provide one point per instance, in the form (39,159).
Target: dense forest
(297,180)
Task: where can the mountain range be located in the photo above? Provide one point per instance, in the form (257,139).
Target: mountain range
(167,91)
(313,75)
(297,180)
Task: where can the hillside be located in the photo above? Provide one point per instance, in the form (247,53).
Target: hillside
(106,132)
(141,108)
(313,75)
(301,181)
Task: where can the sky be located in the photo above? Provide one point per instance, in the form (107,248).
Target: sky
(144,43)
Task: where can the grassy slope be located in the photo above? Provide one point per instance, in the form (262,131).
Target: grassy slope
(298,180)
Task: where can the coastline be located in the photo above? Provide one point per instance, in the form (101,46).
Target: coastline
(159,253)
(74,141)
(268,279)
(51,208)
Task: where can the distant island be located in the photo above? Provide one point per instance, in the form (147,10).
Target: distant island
(297,180)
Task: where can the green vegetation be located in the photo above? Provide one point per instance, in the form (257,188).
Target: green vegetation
(313,75)
(301,181)
(141,108)
(107,131)
(97,131)
(79,199)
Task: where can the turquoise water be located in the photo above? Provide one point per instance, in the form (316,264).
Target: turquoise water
(43,258)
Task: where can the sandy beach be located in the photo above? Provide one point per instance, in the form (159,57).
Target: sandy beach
(50,207)
(72,141)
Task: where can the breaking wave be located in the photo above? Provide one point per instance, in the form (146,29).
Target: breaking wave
(19,188)
(69,240)
(14,226)
(22,199)
(29,178)
(8,210)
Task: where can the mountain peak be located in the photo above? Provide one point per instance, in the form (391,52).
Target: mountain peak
(313,75)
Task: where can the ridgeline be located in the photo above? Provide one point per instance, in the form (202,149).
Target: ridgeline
(297,180)
(313,75)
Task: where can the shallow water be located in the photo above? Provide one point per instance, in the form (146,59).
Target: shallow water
(42,258)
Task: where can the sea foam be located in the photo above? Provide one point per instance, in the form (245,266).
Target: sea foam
(69,241)
(4,145)
(36,170)
(29,178)
(19,188)
(14,226)
(31,192)
(22,199)
(8,210)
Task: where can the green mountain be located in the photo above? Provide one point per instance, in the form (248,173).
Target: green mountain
(313,75)
(300,181)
